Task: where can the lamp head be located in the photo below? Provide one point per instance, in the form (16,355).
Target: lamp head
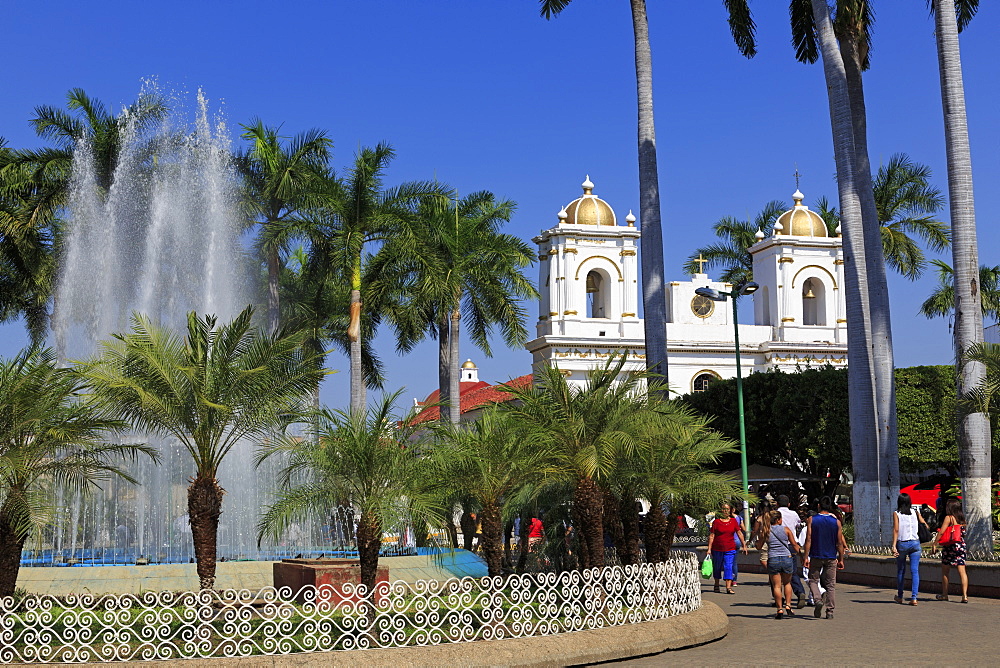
(714,295)
(748,288)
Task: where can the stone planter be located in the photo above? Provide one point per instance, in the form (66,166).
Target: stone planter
(328,576)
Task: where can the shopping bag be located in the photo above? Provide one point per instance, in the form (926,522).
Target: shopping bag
(707,567)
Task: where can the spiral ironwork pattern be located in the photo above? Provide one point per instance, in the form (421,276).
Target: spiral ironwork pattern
(238,623)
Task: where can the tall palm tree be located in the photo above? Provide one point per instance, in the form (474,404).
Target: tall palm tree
(941,302)
(588,429)
(361,211)
(985,397)
(280,179)
(871,431)
(48,435)
(653,287)
(456,263)
(494,460)
(220,384)
(950,16)
(27,254)
(366,457)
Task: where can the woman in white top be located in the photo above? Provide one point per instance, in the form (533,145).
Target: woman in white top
(905,543)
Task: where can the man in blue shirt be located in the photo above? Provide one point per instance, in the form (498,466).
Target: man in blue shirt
(824,551)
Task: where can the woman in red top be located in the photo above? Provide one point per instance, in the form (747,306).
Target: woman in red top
(722,546)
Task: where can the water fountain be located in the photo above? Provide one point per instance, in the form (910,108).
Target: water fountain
(162,240)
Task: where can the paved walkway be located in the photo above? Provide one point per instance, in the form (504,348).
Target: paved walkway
(869,630)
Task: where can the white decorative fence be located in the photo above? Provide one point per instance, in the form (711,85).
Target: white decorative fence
(169,626)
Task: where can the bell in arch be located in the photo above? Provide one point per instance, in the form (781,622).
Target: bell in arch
(593,283)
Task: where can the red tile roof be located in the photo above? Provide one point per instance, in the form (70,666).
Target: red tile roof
(479,395)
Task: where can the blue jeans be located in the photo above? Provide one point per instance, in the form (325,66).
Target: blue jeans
(723,564)
(908,548)
(797,587)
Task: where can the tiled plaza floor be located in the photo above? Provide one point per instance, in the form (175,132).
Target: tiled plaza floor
(868,629)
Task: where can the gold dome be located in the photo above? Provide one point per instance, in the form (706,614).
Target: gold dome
(799,221)
(588,210)
(468,364)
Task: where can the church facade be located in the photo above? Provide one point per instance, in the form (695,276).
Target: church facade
(589,285)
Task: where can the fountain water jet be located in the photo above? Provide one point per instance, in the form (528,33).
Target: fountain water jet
(160,237)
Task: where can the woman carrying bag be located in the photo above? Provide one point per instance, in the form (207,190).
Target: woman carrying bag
(906,543)
(951,536)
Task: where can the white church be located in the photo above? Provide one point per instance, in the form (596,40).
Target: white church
(589,285)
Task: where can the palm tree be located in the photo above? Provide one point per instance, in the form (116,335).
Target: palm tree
(219,385)
(653,296)
(493,460)
(950,16)
(941,302)
(673,465)
(454,261)
(732,254)
(985,397)
(48,435)
(279,180)
(871,429)
(588,429)
(360,211)
(366,457)
(27,255)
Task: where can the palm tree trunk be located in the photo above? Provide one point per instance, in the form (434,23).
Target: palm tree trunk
(204,509)
(883,364)
(629,552)
(273,278)
(358,398)
(492,546)
(656,534)
(860,374)
(468,525)
(10,557)
(611,517)
(369,536)
(444,377)
(974,428)
(654,303)
(587,506)
(454,386)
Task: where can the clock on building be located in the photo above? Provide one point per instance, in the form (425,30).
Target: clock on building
(702,306)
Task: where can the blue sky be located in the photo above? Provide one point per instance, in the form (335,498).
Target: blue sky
(486,94)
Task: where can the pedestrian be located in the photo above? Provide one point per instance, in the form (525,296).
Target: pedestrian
(791,520)
(761,527)
(824,555)
(954,551)
(739,544)
(536,532)
(722,546)
(781,546)
(906,543)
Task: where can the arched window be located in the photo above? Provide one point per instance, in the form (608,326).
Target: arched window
(813,302)
(702,381)
(597,294)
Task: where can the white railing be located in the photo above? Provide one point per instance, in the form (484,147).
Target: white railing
(170,626)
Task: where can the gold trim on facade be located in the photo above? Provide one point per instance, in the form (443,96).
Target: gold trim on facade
(841,319)
(569,312)
(785,259)
(628,315)
(566,251)
(788,320)
(628,252)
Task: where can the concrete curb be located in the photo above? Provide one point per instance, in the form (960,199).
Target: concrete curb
(706,624)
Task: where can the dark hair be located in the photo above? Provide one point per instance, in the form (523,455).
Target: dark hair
(954,508)
(904,504)
(783,500)
(826,503)
(775,517)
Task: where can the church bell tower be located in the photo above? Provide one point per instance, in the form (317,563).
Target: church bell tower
(588,280)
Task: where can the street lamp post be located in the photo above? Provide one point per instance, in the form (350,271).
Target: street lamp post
(718,295)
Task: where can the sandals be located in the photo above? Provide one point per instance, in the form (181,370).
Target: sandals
(716,589)
(729,591)
(788,611)
(965,600)
(941,597)
(778,615)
